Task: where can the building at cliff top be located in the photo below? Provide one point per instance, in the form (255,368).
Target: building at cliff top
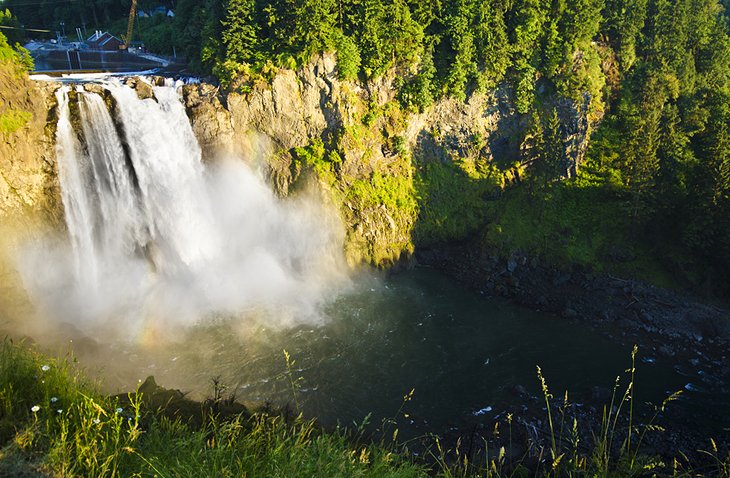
(104,41)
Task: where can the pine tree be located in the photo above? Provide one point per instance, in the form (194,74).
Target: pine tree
(372,47)
(624,21)
(461,39)
(553,150)
(314,23)
(404,38)
(239,31)
(491,42)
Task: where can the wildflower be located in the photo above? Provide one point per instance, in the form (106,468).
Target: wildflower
(54,399)
(96,421)
(46,368)
(35,408)
(59,411)
(119,410)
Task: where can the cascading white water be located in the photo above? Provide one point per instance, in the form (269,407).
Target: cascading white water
(157,239)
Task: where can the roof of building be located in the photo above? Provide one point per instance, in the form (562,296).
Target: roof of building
(102,38)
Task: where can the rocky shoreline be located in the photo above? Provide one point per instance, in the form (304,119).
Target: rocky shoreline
(691,336)
(649,313)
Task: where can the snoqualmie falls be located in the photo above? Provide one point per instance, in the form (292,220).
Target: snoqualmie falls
(188,269)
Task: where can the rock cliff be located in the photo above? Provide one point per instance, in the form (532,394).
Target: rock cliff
(375,159)
(28,179)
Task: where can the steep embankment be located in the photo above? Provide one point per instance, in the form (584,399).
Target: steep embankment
(28,179)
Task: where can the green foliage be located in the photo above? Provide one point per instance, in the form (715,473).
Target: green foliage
(575,222)
(15,63)
(492,44)
(18,58)
(525,89)
(453,203)
(12,120)
(396,193)
(240,32)
(417,94)
(662,145)
(624,20)
(14,33)
(348,56)
(317,158)
(565,457)
(312,29)
(53,422)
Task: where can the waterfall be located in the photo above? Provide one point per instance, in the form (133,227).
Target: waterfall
(156,237)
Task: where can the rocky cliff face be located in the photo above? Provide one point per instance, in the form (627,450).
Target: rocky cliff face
(28,179)
(375,143)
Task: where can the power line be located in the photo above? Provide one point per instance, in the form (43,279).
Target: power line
(32,3)
(26,29)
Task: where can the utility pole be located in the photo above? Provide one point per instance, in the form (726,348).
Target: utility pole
(130,25)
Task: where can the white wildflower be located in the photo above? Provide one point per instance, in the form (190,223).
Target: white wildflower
(46,368)
(35,408)
(96,421)
(59,411)
(119,410)
(54,399)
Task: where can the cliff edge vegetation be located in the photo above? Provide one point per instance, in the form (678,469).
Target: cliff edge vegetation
(647,81)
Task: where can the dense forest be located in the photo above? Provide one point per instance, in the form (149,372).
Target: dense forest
(656,71)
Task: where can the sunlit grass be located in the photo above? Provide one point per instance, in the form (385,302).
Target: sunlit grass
(615,448)
(54,422)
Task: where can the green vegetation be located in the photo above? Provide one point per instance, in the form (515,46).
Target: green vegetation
(14,65)
(657,72)
(381,195)
(452,201)
(12,120)
(16,58)
(54,422)
(577,222)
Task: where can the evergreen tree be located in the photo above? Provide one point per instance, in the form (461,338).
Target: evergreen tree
(404,38)
(527,29)
(418,93)
(314,22)
(624,20)
(491,42)
(460,36)
(239,31)
(372,43)
(552,165)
